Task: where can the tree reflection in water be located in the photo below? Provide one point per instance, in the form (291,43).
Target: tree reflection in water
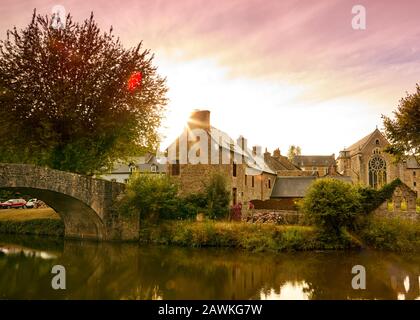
(131,271)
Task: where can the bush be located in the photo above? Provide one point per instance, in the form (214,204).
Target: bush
(218,197)
(394,234)
(331,204)
(370,199)
(190,205)
(150,196)
(253,237)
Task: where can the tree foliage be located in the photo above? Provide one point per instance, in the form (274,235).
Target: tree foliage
(331,204)
(150,196)
(66,100)
(403,131)
(293,151)
(218,197)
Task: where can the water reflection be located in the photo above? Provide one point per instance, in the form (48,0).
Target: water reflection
(130,271)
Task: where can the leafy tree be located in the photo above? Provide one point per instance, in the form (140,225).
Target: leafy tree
(74,98)
(403,132)
(150,196)
(218,197)
(331,204)
(293,151)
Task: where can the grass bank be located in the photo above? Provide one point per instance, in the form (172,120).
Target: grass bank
(391,233)
(254,237)
(31,221)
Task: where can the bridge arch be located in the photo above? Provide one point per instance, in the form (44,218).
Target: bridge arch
(85,204)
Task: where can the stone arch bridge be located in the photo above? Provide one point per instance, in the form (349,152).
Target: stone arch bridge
(85,204)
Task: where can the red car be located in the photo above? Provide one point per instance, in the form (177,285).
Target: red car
(13,203)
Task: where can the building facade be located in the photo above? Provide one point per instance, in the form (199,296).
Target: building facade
(248,177)
(366,163)
(320,165)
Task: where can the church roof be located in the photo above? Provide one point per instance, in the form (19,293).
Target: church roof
(359,145)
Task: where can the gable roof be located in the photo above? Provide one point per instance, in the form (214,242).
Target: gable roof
(277,163)
(359,145)
(220,139)
(314,161)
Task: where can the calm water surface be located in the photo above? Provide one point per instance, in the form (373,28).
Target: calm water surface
(130,271)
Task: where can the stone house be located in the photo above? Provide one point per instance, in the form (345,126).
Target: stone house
(147,164)
(366,162)
(321,165)
(202,150)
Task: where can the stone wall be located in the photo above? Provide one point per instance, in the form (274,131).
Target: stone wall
(402,194)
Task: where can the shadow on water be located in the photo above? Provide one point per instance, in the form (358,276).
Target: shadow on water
(129,271)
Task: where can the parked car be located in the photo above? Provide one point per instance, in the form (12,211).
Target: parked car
(13,203)
(32,203)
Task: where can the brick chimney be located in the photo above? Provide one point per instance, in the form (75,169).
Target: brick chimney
(267,155)
(276,153)
(199,119)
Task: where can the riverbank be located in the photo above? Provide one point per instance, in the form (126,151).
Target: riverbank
(45,222)
(241,235)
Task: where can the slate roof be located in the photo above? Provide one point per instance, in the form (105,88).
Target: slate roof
(412,163)
(291,187)
(296,187)
(279,163)
(314,161)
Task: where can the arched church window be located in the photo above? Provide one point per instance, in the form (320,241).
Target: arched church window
(377,171)
(377,142)
(376,151)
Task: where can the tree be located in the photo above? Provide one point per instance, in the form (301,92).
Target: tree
(218,197)
(403,132)
(150,196)
(293,151)
(74,99)
(331,204)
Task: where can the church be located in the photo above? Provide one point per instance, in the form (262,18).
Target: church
(366,163)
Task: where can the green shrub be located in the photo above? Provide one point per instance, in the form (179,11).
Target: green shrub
(392,233)
(218,197)
(45,227)
(253,237)
(331,205)
(370,199)
(150,196)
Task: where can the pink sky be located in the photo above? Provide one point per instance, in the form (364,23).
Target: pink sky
(277,72)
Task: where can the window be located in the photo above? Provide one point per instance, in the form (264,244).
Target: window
(234,169)
(377,172)
(246,178)
(414,183)
(414,173)
(269,183)
(376,151)
(377,142)
(252,181)
(176,168)
(153,168)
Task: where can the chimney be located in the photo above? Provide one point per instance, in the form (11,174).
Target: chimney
(199,119)
(256,150)
(267,155)
(276,153)
(242,142)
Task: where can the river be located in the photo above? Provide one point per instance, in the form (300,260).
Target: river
(132,271)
